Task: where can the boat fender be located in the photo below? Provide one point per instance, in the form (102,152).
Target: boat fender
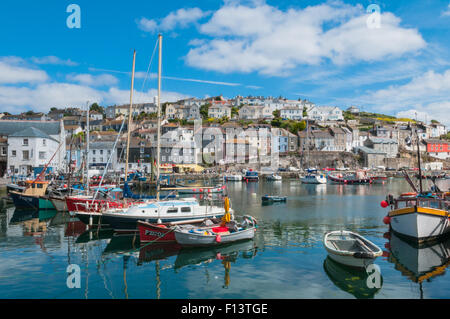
(218,238)
(363,255)
(387,220)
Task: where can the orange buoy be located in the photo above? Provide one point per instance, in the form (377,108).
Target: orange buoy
(387,220)
(384,204)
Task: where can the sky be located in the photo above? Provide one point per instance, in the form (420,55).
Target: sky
(394,60)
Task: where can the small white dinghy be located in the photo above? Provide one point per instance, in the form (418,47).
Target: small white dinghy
(216,234)
(350,249)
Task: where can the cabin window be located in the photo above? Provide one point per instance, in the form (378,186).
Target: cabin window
(172,210)
(39,185)
(185,209)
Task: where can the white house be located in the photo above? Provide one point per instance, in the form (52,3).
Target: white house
(219,111)
(99,153)
(31,148)
(291,113)
(325,113)
(48,129)
(255,112)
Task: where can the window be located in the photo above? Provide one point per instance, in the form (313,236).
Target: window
(13,153)
(25,141)
(185,209)
(101,152)
(3,152)
(172,210)
(44,142)
(41,155)
(26,155)
(93,152)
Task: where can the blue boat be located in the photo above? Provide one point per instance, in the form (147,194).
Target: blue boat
(251,176)
(268,198)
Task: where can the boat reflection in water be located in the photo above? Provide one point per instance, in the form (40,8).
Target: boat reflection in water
(350,279)
(34,222)
(419,262)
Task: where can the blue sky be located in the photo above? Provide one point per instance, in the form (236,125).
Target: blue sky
(324,51)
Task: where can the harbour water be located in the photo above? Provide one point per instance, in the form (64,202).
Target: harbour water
(285,260)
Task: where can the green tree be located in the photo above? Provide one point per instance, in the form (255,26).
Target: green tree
(97,108)
(276,113)
(204,110)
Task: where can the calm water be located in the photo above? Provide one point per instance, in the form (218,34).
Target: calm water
(285,260)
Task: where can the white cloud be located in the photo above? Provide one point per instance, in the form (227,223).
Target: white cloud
(53,60)
(44,96)
(180,18)
(93,80)
(117,96)
(446,12)
(12,73)
(262,38)
(439,111)
(425,87)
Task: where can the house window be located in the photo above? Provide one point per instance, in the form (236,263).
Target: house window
(3,153)
(44,142)
(25,141)
(26,155)
(93,152)
(101,152)
(13,153)
(41,155)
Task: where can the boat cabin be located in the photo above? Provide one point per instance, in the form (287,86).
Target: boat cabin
(35,188)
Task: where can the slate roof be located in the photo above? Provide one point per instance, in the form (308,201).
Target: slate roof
(32,132)
(8,127)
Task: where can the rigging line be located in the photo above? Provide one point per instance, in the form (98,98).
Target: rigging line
(141,93)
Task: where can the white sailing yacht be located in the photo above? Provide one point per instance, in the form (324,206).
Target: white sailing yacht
(157,211)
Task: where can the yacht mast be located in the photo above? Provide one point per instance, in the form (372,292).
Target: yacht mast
(129,117)
(87,148)
(158,146)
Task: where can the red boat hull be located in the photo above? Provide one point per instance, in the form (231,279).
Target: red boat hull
(77,204)
(155,232)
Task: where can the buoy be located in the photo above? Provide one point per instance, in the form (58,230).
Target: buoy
(209,190)
(387,220)
(386,254)
(387,246)
(387,235)
(384,204)
(201,190)
(218,238)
